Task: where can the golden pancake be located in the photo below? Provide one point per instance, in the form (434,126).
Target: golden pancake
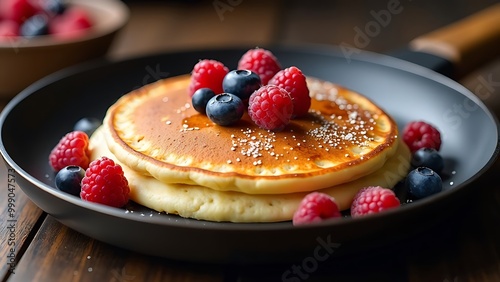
(155,132)
(193,201)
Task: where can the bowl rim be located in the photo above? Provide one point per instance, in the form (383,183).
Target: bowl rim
(120,14)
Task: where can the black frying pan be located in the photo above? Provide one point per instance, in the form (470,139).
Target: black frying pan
(33,122)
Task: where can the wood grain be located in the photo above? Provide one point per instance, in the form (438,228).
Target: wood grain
(18,221)
(59,253)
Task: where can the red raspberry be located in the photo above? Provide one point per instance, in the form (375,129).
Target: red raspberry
(73,23)
(294,81)
(261,61)
(72,149)
(105,183)
(16,10)
(316,207)
(270,107)
(207,74)
(8,30)
(419,134)
(373,199)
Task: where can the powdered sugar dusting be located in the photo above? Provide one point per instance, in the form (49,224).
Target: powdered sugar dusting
(253,144)
(335,125)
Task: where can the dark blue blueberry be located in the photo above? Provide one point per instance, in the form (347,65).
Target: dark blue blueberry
(422,182)
(241,83)
(200,99)
(69,178)
(87,125)
(55,6)
(35,26)
(428,157)
(225,109)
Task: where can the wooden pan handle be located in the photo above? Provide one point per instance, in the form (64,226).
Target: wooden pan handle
(468,43)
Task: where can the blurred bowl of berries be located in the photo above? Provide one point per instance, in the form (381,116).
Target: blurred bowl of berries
(39,37)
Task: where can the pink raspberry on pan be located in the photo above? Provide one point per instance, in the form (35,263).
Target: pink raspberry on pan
(373,199)
(207,74)
(294,81)
(262,62)
(270,107)
(72,149)
(104,182)
(420,134)
(315,207)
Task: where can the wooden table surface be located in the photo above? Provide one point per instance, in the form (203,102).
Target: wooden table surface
(466,247)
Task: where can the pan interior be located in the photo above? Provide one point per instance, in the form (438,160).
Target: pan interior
(35,120)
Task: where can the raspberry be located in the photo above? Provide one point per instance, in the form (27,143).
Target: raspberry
(8,30)
(72,149)
(270,107)
(294,81)
(74,22)
(261,61)
(419,134)
(207,74)
(105,183)
(315,207)
(373,199)
(16,10)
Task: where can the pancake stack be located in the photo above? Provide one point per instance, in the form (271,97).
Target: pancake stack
(179,162)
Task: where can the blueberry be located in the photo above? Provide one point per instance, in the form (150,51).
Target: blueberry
(428,157)
(241,83)
(422,182)
(69,178)
(87,125)
(35,26)
(225,109)
(57,7)
(200,99)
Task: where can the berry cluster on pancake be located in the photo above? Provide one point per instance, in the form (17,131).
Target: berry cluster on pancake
(179,162)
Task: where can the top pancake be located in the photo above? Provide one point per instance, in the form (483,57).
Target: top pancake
(155,131)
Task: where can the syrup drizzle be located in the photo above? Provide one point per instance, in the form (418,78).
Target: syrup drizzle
(336,124)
